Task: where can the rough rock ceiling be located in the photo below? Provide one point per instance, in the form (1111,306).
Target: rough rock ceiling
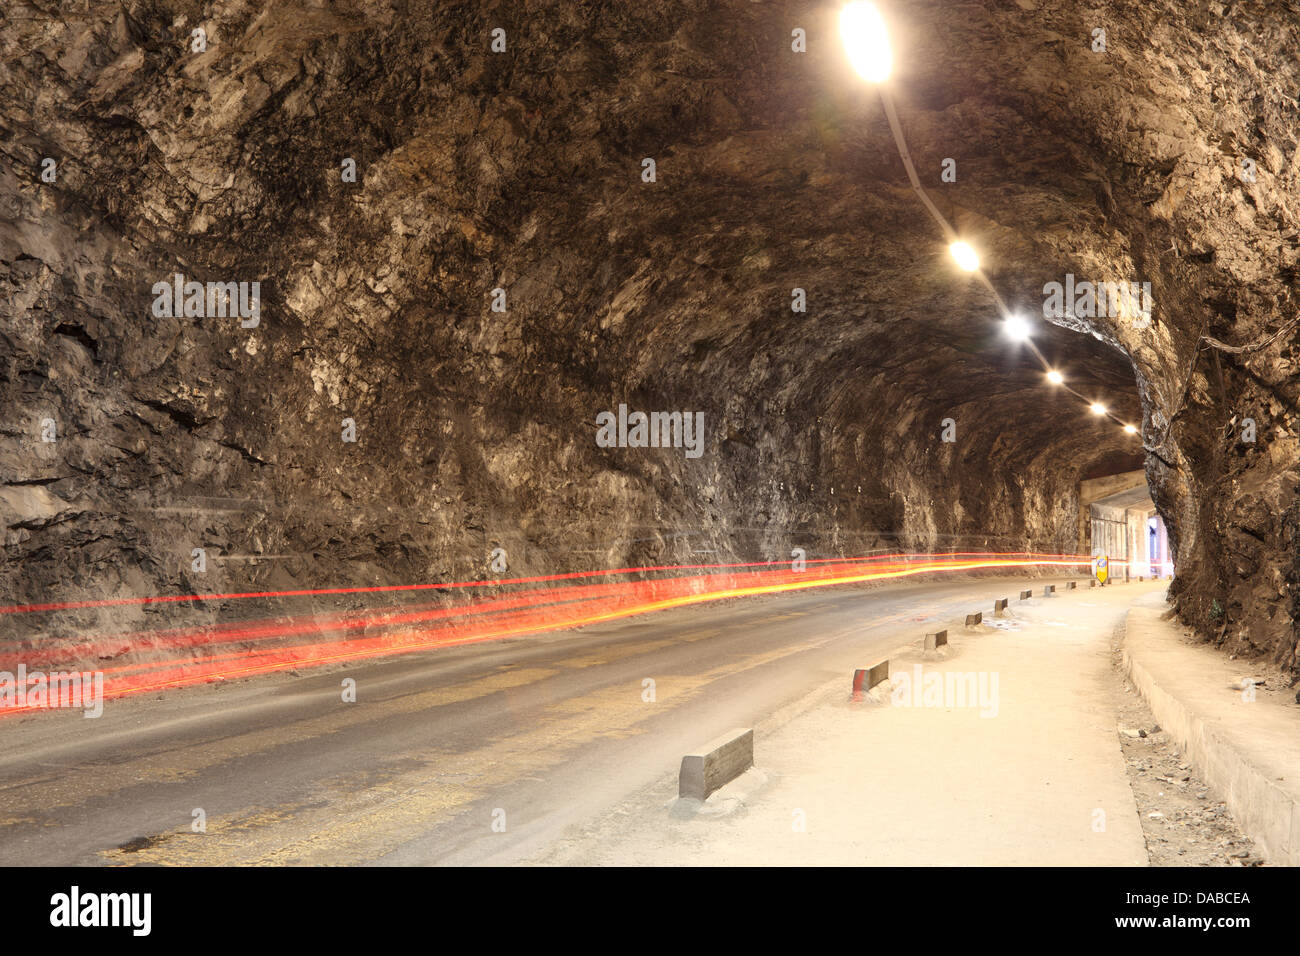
(522,171)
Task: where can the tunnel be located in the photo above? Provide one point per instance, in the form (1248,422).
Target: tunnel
(524,171)
(324,297)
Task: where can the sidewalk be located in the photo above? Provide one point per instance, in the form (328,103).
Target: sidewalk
(1246,745)
(1031,773)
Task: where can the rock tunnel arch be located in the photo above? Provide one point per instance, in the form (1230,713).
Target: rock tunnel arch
(521,171)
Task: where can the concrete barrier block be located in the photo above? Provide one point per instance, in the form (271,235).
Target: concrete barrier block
(1092,582)
(974,619)
(1026,595)
(1049,589)
(865,678)
(936,640)
(716,764)
(999,606)
(1071,585)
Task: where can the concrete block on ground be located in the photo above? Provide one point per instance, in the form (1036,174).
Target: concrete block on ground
(936,640)
(999,606)
(716,764)
(1071,585)
(974,619)
(865,678)
(1092,582)
(1049,589)
(1026,595)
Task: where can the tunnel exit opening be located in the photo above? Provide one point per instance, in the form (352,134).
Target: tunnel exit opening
(1125,526)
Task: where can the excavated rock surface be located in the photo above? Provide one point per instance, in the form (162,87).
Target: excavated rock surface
(522,171)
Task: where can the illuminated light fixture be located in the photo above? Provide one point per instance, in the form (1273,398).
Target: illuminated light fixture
(1097,408)
(1017,327)
(866,41)
(1131,429)
(965,256)
(1055,377)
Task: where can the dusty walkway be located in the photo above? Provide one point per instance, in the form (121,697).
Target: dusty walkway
(1027,770)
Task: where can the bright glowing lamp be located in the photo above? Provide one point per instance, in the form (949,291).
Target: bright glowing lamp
(1097,408)
(1055,377)
(1130,429)
(866,41)
(1017,328)
(965,256)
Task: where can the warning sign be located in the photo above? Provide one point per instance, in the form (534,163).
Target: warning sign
(1101,568)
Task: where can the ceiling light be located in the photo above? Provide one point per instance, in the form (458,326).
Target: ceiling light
(1017,327)
(1097,408)
(964,255)
(1055,377)
(866,41)
(1131,429)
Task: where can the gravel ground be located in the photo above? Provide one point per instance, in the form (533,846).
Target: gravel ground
(1184,821)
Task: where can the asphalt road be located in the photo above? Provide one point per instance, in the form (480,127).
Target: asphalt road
(475,754)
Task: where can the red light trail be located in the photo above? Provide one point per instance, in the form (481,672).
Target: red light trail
(188,656)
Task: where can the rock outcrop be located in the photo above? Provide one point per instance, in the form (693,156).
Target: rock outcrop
(501,271)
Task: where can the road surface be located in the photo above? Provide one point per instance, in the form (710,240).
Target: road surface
(481,754)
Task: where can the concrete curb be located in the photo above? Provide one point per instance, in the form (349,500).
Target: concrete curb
(1266,813)
(865,678)
(716,764)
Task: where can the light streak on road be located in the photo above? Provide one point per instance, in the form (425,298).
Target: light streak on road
(216,653)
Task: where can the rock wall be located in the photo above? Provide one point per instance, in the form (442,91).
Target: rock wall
(523,171)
